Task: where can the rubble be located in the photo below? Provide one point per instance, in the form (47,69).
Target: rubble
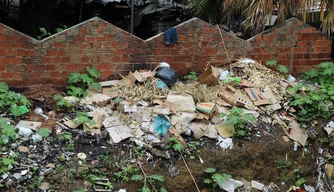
(139,109)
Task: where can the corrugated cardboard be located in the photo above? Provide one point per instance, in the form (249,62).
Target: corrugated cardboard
(198,127)
(209,76)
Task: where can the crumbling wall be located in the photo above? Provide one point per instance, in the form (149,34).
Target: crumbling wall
(25,60)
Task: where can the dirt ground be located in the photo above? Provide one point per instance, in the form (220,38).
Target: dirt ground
(255,157)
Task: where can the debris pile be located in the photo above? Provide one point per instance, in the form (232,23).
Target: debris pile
(147,109)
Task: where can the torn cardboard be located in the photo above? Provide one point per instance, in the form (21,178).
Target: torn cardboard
(113,92)
(297,133)
(183,102)
(119,133)
(224,130)
(33,125)
(209,76)
(209,109)
(198,127)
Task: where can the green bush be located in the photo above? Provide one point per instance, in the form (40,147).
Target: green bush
(16,104)
(316,102)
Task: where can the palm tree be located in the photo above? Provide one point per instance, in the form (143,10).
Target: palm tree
(254,13)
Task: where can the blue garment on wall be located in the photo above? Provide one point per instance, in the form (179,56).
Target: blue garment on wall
(171,36)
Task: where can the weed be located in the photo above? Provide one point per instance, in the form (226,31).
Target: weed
(239,120)
(316,102)
(300,182)
(175,144)
(152,179)
(280,68)
(193,145)
(139,151)
(63,104)
(191,76)
(70,147)
(109,160)
(15,103)
(66,136)
(124,174)
(7,133)
(215,178)
(43,132)
(324,140)
(35,182)
(282,164)
(82,117)
(78,83)
(43,33)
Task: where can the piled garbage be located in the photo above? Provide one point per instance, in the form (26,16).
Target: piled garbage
(145,106)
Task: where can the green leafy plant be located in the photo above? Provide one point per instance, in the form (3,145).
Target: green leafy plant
(194,145)
(43,33)
(78,83)
(82,117)
(7,163)
(109,160)
(282,164)
(60,28)
(315,102)
(280,68)
(239,120)
(7,133)
(191,76)
(300,182)
(63,104)
(152,179)
(66,136)
(139,151)
(125,173)
(14,103)
(175,144)
(215,178)
(44,132)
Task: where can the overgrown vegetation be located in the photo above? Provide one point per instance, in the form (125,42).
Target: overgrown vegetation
(315,101)
(215,178)
(283,70)
(44,33)
(62,104)
(191,76)
(14,103)
(78,83)
(154,181)
(174,143)
(239,120)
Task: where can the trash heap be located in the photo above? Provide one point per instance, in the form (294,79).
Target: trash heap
(144,108)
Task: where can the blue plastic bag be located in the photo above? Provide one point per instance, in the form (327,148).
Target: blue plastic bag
(161,125)
(160,84)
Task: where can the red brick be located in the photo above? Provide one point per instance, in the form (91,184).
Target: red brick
(6,75)
(6,60)
(50,67)
(21,52)
(65,60)
(30,53)
(2,67)
(51,53)
(40,67)
(36,75)
(55,75)
(16,60)
(61,53)
(17,75)
(31,67)
(3,53)
(70,67)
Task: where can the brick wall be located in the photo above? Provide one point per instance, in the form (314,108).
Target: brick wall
(25,60)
